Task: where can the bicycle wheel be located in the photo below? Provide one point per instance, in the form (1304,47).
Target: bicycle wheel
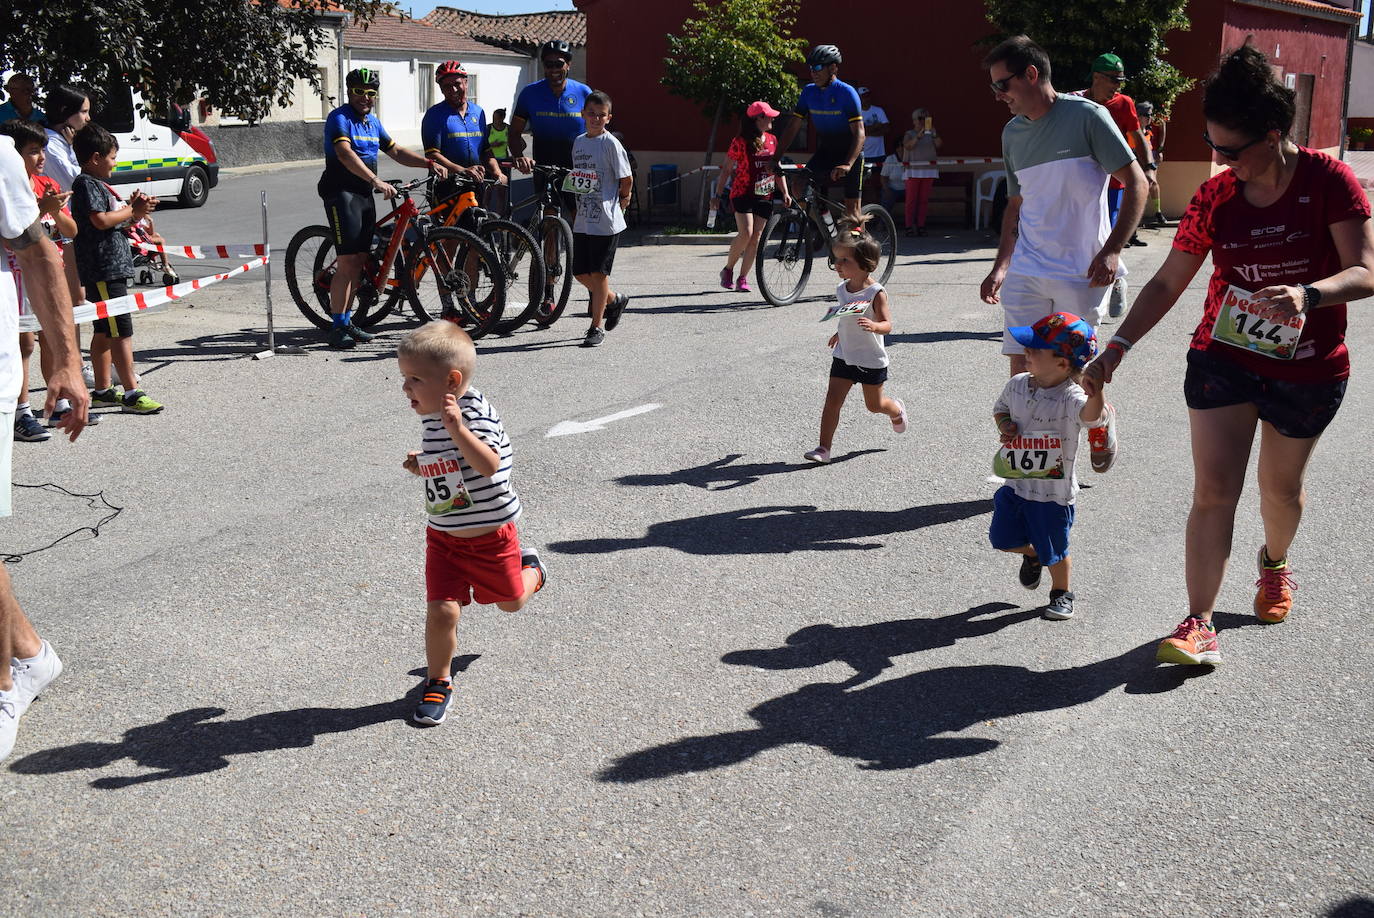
(558,270)
(448,273)
(784,256)
(883,229)
(522,260)
(309,272)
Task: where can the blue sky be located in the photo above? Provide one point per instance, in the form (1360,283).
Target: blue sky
(421,8)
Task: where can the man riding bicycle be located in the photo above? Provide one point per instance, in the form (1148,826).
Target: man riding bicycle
(352,139)
(834,108)
(454,132)
(552,108)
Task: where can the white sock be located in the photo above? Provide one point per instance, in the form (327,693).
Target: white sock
(23,409)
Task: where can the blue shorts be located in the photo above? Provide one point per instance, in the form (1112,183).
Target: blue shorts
(1042,524)
(1114,203)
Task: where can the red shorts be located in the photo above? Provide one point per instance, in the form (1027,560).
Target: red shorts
(485,569)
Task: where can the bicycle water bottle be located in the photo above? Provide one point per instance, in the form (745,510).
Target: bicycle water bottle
(711,216)
(829,222)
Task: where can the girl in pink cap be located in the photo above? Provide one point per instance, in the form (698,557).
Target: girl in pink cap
(753,161)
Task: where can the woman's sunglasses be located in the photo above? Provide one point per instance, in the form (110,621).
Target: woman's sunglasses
(1231,153)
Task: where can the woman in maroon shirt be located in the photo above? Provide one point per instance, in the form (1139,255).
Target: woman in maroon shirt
(1291,243)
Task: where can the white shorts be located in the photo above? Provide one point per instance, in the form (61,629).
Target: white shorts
(6,454)
(1026,300)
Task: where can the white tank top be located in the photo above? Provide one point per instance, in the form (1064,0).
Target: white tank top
(857,347)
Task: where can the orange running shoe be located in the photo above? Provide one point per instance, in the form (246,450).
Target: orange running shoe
(1274,600)
(1193,642)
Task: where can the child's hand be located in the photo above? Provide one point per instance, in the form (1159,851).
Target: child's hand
(141,205)
(52,202)
(1091,385)
(834,340)
(1008,430)
(453,415)
(412,462)
(865,323)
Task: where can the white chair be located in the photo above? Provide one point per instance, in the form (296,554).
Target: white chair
(986,190)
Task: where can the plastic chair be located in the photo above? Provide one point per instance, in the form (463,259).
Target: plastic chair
(986,191)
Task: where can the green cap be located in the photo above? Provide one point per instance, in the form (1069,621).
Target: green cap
(1108,63)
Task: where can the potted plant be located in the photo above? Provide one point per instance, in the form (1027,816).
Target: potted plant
(1359,137)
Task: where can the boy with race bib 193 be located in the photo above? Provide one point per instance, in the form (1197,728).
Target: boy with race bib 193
(601,180)
(1038,416)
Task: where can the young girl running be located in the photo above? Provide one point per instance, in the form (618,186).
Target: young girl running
(857,345)
(753,157)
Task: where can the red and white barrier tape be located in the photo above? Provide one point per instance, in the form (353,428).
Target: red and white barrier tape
(954,162)
(203,251)
(142,302)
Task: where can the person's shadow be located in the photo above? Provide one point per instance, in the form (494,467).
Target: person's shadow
(724,472)
(899,723)
(193,742)
(780,529)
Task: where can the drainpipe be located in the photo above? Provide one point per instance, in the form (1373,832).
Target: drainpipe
(1349,75)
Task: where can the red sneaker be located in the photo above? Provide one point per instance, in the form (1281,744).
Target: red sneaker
(1193,642)
(1274,600)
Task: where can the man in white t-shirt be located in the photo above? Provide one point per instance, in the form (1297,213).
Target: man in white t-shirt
(27,663)
(875,128)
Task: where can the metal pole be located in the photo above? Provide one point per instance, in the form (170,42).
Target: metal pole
(272,347)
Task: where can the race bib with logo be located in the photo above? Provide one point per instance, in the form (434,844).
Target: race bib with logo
(1239,325)
(763,185)
(582,181)
(852,308)
(1031,455)
(444,490)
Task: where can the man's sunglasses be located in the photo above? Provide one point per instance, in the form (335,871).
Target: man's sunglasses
(817,68)
(368,93)
(1002,84)
(556,63)
(1231,153)
(1118,80)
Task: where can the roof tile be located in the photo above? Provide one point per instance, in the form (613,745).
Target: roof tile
(524,32)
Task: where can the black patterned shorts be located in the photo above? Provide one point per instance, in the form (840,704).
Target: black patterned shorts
(1300,410)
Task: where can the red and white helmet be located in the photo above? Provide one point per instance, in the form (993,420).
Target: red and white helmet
(448,69)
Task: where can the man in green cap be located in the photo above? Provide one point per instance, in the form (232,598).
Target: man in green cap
(1108,75)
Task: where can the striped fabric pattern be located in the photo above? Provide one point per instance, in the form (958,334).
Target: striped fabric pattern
(494,500)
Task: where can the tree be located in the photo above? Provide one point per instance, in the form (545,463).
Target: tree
(1074,32)
(732,53)
(244,55)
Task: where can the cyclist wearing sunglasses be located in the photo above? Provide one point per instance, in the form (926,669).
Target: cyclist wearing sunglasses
(834,108)
(1289,236)
(552,107)
(353,138)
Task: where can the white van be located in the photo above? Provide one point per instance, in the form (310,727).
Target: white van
(164,156)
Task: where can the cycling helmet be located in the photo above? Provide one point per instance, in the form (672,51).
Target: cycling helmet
(824,54)
(448,69)
(555,46)
(363,76)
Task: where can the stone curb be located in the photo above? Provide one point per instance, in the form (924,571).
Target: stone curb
(689,239)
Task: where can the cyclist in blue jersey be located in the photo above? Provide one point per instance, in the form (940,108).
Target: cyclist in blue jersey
(454,131)
(834,109)
(353,138)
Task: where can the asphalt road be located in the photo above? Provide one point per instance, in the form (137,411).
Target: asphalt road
(751,687)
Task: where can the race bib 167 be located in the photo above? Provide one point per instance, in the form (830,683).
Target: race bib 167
(1031,455)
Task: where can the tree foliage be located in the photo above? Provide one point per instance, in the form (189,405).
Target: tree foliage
(1075,32)
(732,53)
(244,55)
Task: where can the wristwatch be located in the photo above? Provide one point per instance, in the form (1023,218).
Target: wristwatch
(1311,296)
(1152,166)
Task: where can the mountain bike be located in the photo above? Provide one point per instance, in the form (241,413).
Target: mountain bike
(555,238)
(520,255)
(793,235)
(438,271)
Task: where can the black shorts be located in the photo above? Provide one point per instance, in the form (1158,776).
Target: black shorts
(593,254)
(824,161)
(868,376)
(569,199)
(1299,410)
(115,326)
(352,217)
(750,203)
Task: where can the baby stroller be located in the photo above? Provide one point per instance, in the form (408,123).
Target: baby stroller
(148,265)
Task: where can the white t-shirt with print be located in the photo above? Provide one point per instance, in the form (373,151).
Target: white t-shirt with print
(1055,410)
(598,213)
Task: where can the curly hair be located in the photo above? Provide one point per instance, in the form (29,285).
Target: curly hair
(1244,95)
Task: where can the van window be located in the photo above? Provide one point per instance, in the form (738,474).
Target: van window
(115,111)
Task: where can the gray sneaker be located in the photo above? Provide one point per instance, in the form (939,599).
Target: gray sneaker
(1060,606)
(33,675)
(615,308)
(594,337)
(27,429)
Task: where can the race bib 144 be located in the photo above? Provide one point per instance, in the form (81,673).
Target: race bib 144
(1031,455)
(444,490)
(1239,325)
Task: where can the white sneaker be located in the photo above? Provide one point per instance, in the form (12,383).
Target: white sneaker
(33,675)
(9,722)
(88,375)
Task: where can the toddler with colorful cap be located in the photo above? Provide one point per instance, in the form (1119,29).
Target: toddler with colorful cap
(1039,415)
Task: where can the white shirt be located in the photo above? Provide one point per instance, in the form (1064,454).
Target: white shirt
(874,145)
(1036,410)
(857,347)
(61,164)
(18,211)
(599,213)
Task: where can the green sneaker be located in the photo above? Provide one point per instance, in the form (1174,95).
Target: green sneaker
(105,398)
(138,402)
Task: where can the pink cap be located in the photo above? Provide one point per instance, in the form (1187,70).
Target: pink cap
(761,108)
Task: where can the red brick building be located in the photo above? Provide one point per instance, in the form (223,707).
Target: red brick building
(939,67)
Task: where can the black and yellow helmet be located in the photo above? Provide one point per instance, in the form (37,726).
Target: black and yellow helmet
(363,76)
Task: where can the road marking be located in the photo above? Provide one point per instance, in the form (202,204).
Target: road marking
(564,428)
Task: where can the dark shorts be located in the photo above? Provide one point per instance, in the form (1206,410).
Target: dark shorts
(593,254)
(569,199)
(351,217)
(823,161)
(1041,524)
(484,569)
(868,376)
(1300,410)
(115,326)
(750,203)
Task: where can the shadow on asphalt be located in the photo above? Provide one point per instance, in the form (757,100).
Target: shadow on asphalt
(898,723)
(722,471)
(1358,907)
(777,529)
(192,742)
